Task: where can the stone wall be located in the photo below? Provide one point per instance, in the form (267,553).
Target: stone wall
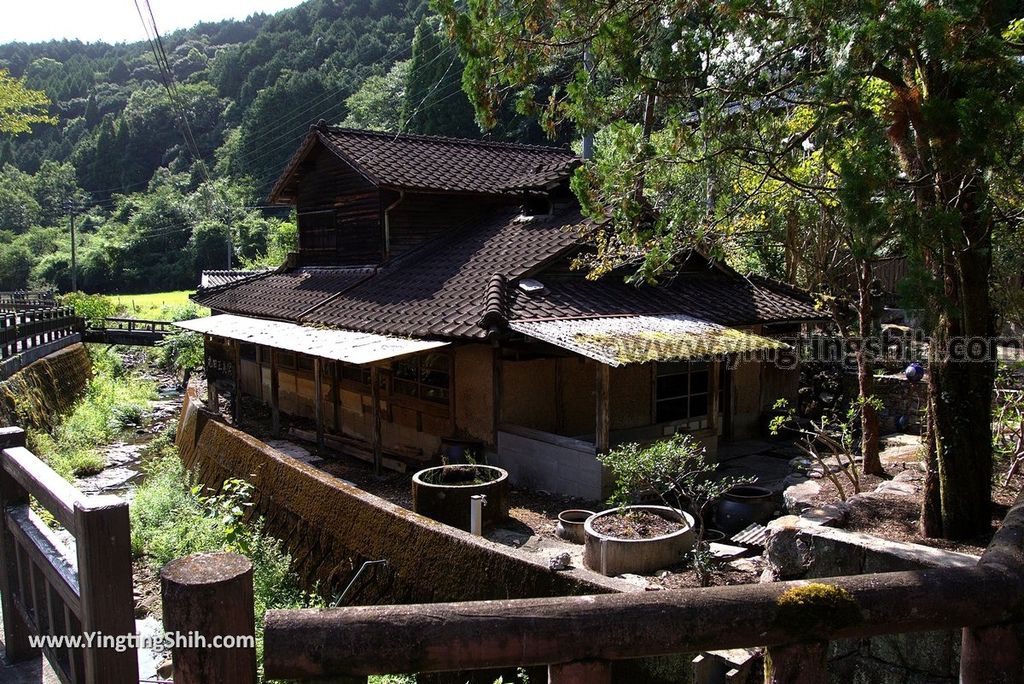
(46,389)
(799,552)
(331,527)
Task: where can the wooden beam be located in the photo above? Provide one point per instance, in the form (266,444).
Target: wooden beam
(714,368)
(236,401)
(318,391)
(601,439)
(583,672)
(375,398)
(497,383)
(275,387)
(528,632)
(336,396)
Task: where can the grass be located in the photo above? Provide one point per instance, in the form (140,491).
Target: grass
(151,306)
(171,518)
(114,402)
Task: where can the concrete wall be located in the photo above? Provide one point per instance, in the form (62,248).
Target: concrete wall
(331,527)
(46,389)
(808,553)
(535,460)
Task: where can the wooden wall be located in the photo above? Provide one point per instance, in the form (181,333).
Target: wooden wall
(339,214)
(419,218)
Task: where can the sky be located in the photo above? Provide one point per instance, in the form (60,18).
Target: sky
(113,21)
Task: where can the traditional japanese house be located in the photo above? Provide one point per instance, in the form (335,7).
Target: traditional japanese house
(432,297)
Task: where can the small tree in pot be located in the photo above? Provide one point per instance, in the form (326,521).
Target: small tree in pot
(679,473)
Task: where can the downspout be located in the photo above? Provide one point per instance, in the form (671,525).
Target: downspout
(387,223)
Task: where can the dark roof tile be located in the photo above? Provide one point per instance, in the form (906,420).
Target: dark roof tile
(442,290)
(711,295)
(436,164)
(282,295)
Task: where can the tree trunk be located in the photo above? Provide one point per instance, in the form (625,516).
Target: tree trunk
(961,375)
(865,373)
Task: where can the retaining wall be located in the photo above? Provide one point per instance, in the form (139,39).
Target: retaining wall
(331,527)
(812,552)
(45,389)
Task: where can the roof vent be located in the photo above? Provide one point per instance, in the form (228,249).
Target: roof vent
(531,286)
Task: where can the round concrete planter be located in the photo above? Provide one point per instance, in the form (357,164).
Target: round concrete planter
(614,556)
(741,506)
(570,525)
(443,493)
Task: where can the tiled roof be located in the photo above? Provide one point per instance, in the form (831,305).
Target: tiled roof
(441,290)
(282,295)
(710,295)
(210,279)
(436,164)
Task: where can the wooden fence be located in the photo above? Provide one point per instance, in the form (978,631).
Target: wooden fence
(128,331)
(44,589)
(578,637)
(29,335)
(22,300)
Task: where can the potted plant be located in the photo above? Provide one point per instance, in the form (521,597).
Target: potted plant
(443,493)
(643,538)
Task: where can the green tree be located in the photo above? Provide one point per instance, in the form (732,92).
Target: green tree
(377,105)
(20,106)
(920,104)
(434,103)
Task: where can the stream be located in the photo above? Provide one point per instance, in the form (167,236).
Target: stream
(123,473)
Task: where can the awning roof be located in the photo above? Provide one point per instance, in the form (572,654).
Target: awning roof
(622,340)
(337,345)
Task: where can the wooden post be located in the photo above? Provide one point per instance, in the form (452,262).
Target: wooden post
(991,654)
(601,440)
(714,368)
(11,494)
(336,397)
(208,597)
(375,398)
(103,541)
(796,663)
(497,376)
(275,386)
(318,391)
(236,399)
(212,396)
(581,672)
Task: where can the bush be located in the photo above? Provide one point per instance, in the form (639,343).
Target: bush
(93,308)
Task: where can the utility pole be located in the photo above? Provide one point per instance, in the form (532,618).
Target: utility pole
(74,261)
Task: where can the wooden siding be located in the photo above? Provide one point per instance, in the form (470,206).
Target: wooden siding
(339,214)
(418,219)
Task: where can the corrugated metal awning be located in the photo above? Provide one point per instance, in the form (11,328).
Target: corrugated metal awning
(622,340)
(327,343)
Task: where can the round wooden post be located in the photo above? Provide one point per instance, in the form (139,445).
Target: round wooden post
(207,597)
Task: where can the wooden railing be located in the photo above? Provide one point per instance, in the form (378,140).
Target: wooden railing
(136,325)
(29,335)
(577,638)
(44,589)
(21,300)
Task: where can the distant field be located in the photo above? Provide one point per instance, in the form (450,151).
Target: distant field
(153,305)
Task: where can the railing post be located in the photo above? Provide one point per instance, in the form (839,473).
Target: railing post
(208,597)
(991,655)
(11,494)
(803,663)
(103,542)
(580,672)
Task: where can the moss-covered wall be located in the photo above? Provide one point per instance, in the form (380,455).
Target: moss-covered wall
(40,393)
(331,527)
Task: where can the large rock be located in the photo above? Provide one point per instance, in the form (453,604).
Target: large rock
(800,497)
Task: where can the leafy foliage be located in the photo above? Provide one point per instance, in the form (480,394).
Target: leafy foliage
(21,107)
